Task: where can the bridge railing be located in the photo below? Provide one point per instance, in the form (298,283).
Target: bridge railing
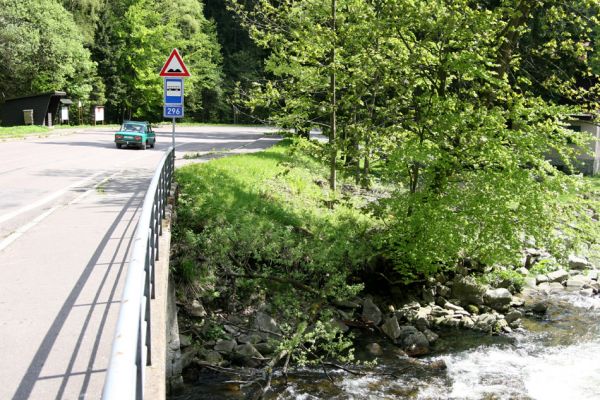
(131,346)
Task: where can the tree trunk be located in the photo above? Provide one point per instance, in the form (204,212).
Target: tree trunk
(332,135)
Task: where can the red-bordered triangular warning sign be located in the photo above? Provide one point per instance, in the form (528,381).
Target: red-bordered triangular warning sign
(174,66)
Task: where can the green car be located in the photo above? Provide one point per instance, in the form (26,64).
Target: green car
(136,134)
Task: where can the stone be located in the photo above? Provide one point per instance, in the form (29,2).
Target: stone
(576,262)
(577,282)
(593,275)
(248,355)
(340,325)
(251,338)
(541,279)
(558,276)
(196,309)
(265,348)
(370,312)
(391,328)
(539,307)
(550,287)
(375,349)
(450,306)
(213,357)
(346,304)
(530,282)
(587,292)
(523,271)
(467,291)
(431,336)
(232,330)
(438,365)
(443,290)
(225,346)
(428,295)
(486,322)
(467,323)
(413,342)
(513,315)
(185,340)
(265,324)
(498,299)
(472,309)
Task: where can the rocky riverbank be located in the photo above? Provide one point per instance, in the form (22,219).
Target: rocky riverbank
(218,341)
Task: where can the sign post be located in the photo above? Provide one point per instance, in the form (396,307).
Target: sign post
(173,73)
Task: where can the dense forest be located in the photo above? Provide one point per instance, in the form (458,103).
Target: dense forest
(110,52)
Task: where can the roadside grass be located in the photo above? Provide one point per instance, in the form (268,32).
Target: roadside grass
(22,131)
(12,132)
(267,219)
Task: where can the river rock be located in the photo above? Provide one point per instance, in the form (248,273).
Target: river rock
(498,299)
(558,276)
(213,357)
(576,262)
(539,307)
(413,342)
(587,292)
(391,328)
(550,287)
(530,282)
(485,322)
(375,349)
(513,315)
(248,355)
(225,346)
(266,325)
(467,323)
(523,271)
(577,282)
(431,336)
(467,291)
(370,312)
(443,290)
(541,278)
(252,338)
(265,348)
(185,340)
(196,309)
(593,275)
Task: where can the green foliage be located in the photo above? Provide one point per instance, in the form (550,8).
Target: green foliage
(258,227)
(504,277)
(543,267)
(41,49)
(455,101)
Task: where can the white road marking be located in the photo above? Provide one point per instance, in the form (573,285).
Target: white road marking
(23,229)
(47,199)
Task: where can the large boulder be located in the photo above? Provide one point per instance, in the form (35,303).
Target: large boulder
(248,355)
(558,276)
(266,325)
(370,312)
(467,291)
(498,299)
(576,262)
(391,328)
(413,341)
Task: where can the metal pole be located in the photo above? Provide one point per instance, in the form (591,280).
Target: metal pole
(173,137)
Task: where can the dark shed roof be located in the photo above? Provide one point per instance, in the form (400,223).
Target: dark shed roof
(11,112)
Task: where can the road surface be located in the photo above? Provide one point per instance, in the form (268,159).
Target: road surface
(68,209)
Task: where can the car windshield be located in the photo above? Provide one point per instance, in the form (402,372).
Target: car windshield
(132,128)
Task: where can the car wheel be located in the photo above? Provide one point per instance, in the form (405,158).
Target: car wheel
(119,145)
(153,143)
(143,146)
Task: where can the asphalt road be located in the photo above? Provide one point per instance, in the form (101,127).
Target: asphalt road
(68,209)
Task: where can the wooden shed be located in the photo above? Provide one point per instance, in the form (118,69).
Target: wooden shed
(44,109)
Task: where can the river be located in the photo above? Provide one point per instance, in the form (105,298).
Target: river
(556,357)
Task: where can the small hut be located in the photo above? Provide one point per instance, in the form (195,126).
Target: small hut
(37,109)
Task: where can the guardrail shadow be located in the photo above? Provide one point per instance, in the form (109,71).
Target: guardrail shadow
(118,257)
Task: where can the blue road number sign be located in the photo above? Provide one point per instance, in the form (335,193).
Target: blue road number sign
(173,112)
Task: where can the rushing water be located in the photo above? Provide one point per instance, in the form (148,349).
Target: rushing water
(556,358)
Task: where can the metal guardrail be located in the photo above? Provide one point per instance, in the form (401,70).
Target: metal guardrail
(131,346)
